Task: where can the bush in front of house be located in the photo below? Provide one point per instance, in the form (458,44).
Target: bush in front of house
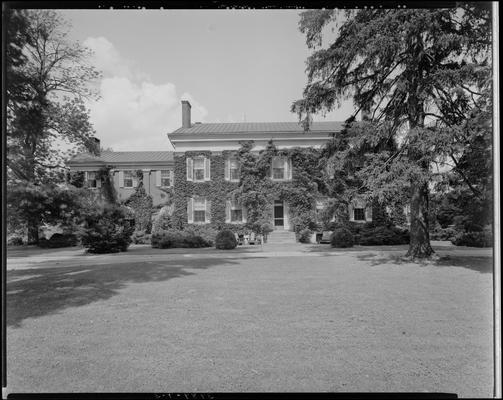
(59,240)
(474,239)
(15,241)
(141,237)
(440,233)
(226,240)
(208,233)
(342,237)
(107,230)
(174,238)
(305,235)
(383,235)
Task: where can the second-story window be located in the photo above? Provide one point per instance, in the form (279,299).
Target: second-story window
(281,169)
(128,179)
(198,169)
(232,170)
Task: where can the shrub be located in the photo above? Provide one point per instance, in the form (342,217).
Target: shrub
(226,240)
(140,237)
(59,240)
(342,237)
(162,222)
(15,241)
(305,236)
(107,230)
(206,232)
(440,233)
(474,239)
(383,235)
(173,238)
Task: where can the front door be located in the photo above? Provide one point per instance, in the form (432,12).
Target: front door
(279,214)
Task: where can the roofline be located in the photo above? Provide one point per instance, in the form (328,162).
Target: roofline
(307,134)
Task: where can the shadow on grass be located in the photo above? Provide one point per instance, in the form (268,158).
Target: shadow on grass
(39,291)
(481,264)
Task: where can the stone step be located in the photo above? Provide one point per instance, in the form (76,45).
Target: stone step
(280,237)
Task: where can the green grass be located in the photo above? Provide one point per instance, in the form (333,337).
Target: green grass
(231,321)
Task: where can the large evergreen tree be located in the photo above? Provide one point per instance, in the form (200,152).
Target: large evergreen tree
(423,76)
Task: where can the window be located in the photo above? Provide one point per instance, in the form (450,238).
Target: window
(235,213)
(281,169)
(234,170)
(91,179)
(165,178)
(278,168)
(128,179)
(199,209)
(198,169)
(359,214)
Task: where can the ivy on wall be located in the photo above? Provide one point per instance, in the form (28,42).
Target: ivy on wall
(216,191)
(254,190)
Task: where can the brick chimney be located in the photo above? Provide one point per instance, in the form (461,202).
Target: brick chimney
(186,114)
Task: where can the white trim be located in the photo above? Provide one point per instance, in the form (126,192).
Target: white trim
(158,178)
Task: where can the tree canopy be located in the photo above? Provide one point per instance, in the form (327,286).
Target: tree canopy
(422,78)
(47,82)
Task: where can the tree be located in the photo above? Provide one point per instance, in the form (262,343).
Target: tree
(47,81)
(423,77)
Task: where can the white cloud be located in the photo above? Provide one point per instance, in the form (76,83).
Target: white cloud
(133,113)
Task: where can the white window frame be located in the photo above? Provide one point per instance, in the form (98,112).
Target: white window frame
(191,210)
(123,178)
(287,168)
(191,170)
(228,169)
(88,179)
(160,177)
(231,205)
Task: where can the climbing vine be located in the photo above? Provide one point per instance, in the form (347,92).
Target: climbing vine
(255,190)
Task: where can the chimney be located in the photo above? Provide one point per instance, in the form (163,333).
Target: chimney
(95,146)
(186,114)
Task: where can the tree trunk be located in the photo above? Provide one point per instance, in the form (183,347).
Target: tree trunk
(419,246)
(33,232)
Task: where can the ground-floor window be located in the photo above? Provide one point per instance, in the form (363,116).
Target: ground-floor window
(234,212)
(359,214)
(199,209)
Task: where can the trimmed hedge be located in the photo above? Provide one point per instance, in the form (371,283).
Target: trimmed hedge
(15,241)
(474,239)
(440,233)
(341,238)
(58,240)
(141,237)
(370,234)
(304,236)
(226,240)
(174,238)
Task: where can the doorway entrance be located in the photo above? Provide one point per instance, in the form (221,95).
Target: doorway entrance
(279,214)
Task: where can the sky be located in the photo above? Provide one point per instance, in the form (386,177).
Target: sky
(232,65)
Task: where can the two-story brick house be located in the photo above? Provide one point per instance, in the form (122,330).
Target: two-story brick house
(204,163)
(204,155)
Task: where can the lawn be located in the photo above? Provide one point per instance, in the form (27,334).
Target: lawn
(251,321)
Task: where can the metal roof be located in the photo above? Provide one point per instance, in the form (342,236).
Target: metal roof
(125,157)
(265,127)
